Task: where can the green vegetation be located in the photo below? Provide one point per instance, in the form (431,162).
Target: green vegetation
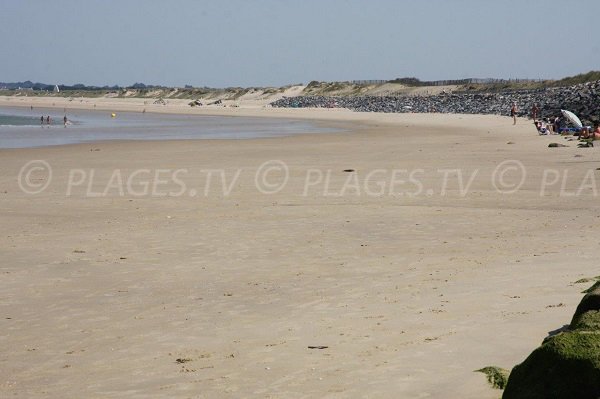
(565,366)
(496,376)
(406,86)
(589,321)
(315,88)
(504,86)
(589,303)
(412,82)
(592,288)
(577,79)
(586,280)
(270,90)
(591,76)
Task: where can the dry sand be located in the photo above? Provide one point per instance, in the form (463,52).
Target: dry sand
(100,295)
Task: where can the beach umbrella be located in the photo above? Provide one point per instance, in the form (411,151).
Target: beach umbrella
(572,117)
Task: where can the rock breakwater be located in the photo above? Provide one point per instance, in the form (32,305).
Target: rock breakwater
(582,99)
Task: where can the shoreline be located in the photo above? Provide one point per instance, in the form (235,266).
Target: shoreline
(349,122)
(315,126)
(246,109)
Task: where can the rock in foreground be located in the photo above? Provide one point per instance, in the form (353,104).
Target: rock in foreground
(566,365)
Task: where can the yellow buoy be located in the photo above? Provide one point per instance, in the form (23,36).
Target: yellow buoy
(113,115)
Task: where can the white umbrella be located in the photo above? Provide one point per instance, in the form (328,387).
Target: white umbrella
(572,117)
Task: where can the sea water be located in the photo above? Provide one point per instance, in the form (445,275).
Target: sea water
(22,127)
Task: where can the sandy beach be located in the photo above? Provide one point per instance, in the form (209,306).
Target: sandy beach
(261,268)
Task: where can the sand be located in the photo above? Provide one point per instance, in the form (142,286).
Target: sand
(220,291)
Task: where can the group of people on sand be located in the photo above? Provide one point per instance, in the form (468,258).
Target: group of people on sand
(553,125)
(546,125)
(49,120)
(543,126)
(588,133)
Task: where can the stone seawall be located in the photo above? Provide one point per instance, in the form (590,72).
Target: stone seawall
(582,99)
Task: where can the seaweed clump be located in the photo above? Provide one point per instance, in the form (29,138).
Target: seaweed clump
(496,376)
(566,365)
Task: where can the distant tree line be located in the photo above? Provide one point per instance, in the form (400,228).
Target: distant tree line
(79,86)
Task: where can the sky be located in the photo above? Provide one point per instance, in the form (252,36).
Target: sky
(227,43)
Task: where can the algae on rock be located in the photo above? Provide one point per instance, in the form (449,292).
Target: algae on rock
(566,365)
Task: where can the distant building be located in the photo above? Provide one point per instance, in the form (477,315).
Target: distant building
(56,89)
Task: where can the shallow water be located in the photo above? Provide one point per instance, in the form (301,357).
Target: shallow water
(21,127)
(18,120)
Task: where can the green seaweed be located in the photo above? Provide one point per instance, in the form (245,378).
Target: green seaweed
(584,280)
(592,288)
(587,321)
(496,376)
(591,301)
(567,365)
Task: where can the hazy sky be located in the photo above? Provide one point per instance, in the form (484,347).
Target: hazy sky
(268,42)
